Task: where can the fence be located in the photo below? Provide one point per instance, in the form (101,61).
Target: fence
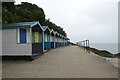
(85,45)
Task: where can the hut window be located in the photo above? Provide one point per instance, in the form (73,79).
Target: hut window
(53,38)
(48,38)
(36,37)
(23,35)
(45,38)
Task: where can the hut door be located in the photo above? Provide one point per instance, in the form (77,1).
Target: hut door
(36,45)
(36,37)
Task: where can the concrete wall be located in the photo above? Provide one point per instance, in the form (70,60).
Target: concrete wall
(10,45)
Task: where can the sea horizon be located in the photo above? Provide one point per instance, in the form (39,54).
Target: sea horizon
(111,47)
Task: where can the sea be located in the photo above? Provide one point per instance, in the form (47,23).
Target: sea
(111,47)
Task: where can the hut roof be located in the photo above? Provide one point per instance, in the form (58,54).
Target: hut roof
(20,25)
(45,28)
(52,31)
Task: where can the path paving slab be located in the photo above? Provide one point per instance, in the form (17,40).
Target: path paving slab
(65,62)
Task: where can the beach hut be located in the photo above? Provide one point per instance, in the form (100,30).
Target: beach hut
(56,39)
(52,39)
(64,41)
(59,43)
(67,41)
(60,40)
(24,39)
(47,45)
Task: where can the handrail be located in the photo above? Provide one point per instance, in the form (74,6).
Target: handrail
(84,44)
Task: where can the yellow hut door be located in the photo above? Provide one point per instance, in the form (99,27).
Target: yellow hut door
(36,37)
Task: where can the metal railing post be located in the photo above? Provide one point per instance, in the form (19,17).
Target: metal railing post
(84,44)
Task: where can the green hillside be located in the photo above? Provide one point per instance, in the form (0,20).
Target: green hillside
(25,12)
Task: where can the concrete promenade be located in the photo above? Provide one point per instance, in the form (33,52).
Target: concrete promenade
(65,62)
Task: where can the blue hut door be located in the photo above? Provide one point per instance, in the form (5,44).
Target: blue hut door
(23,35)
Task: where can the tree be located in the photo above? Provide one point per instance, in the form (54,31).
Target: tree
(26,12)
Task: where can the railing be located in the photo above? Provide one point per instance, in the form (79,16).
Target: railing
(85,45)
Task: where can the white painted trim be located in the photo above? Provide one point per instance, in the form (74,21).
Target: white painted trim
(31,35)
(28,35)
(43,39)
(31,39)
(18,35)
(54,41)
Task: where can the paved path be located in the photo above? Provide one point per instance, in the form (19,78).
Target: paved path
(65,62)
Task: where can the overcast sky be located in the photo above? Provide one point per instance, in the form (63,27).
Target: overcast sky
(96,20)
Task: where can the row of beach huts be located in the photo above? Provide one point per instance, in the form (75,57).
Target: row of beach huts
(29,40)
